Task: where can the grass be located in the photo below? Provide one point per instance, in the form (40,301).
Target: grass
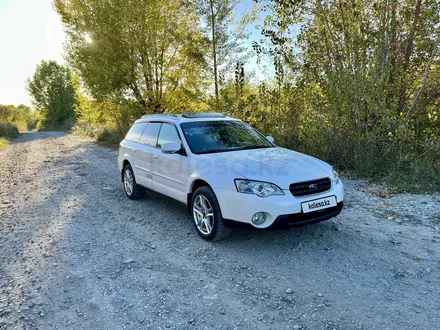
(3,143)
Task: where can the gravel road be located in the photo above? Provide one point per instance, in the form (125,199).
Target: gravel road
(75,253)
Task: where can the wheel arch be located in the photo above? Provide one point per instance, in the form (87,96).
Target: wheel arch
(196,184)
(124,163)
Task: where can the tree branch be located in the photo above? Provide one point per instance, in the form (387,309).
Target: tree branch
(425,79)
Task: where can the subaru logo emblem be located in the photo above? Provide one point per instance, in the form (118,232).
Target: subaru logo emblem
(313,186)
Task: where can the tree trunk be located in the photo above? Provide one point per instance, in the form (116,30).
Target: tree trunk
(425,79)
(214,52)
(137,94)
(392,47)
(408,53)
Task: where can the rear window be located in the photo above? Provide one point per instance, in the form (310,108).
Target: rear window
(135,132)
(150,134)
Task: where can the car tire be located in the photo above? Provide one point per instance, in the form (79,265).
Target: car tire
(207,216)
(131,188)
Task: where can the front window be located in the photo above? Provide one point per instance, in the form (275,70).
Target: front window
(219,136)
(168,134)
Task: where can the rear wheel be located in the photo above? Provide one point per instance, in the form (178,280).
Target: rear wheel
(207,216)
(132,189)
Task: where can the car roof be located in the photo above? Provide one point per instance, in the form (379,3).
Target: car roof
(186,117)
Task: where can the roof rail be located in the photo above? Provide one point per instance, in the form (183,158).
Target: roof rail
(203,115)
(159,115)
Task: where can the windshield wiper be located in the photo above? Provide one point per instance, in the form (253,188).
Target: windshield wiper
(251,147)
(232,149)
(210,151)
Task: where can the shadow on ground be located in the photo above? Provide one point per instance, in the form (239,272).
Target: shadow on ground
(78,253)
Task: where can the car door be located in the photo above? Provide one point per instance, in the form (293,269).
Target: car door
(144,157)
(169,170)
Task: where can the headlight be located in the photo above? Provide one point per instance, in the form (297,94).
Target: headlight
(261,189)
(335,176)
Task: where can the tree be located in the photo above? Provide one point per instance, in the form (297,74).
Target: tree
(224,41)
(53,94)
(144,50)
(359,76)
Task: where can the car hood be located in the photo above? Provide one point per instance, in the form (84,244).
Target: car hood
(276,165)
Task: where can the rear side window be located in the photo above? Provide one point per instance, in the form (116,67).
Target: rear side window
(168,134)
(135,132)
(150,134)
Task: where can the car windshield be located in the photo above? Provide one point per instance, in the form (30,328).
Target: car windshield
(219,136)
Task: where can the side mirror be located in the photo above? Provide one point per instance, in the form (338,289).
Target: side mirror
(270,139)
(171,148)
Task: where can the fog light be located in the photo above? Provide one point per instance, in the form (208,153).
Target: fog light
(258,218)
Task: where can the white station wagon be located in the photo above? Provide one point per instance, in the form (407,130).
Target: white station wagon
(227,173)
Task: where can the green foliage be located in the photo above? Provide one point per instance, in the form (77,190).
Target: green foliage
(106,121)
(12,120)
(53,93)
(109,136)
(21,116)
(354,82)
(8,130)
(356,85)
(3,143)
(147,51)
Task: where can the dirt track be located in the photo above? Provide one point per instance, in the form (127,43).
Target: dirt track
(75,253)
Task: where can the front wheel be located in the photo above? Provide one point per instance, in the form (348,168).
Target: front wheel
(207,216)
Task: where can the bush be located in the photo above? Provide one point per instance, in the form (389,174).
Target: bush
(32,121)
(22,117)
(8,130)
(45,125)
(108,135)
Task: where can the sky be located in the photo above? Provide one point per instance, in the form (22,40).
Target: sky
(30,31)
(263,70)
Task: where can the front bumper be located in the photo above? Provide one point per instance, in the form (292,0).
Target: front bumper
(281,211)
(303,219)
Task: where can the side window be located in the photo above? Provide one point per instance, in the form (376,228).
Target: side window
(168,134)
(135,132)
(150,134)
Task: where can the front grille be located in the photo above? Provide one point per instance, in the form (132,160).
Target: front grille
(310,187)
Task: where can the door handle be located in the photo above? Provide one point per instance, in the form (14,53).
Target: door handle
(134,150)
(155,156)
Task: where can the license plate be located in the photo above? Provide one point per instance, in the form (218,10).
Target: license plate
(318,204)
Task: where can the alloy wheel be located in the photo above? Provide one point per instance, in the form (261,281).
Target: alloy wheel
(128,182)
(203,215)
